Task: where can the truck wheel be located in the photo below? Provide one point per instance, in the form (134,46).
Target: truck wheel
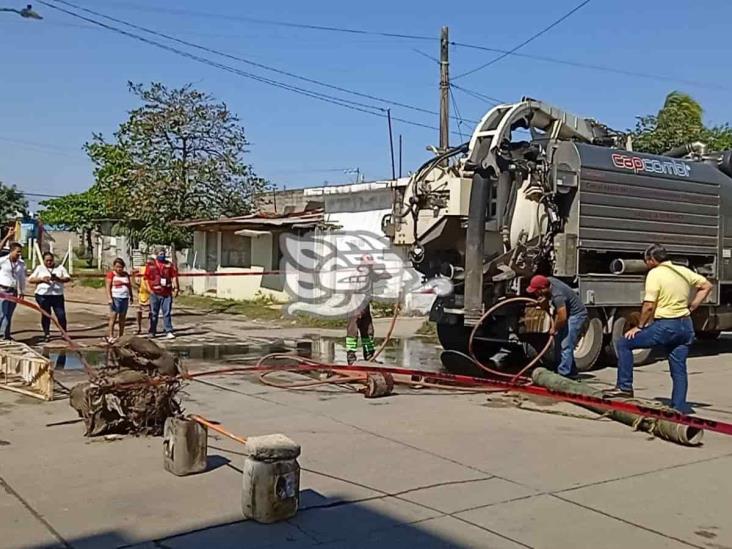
(589,346)
(453,337)
(620,326)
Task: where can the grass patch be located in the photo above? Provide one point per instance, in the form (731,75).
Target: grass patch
(88,278)
(428,329)
(261,308)
(319,321)
(258,309)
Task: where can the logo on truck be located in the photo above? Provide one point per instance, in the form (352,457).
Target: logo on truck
(651,165)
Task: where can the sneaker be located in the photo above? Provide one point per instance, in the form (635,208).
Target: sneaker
(617,392)
(151,335)
(170,335)
(47,338)
(350,357)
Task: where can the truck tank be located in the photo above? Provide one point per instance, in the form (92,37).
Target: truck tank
(539,190)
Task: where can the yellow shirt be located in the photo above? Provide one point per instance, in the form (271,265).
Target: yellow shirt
(143,291)
(670,287)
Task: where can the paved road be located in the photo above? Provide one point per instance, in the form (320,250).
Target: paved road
(413,470)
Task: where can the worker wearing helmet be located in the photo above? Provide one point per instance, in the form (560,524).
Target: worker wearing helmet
(360,320)
(570,317)
(665,322)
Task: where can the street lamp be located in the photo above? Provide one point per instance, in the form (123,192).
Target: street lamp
(26,12)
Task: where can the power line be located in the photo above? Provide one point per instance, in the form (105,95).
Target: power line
(478,95)
(395,35)
(591,66)
(178,11)
(46,146)
(248,61)
(346,103)
(457,111)
(525,42)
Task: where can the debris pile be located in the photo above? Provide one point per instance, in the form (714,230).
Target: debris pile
(133,394)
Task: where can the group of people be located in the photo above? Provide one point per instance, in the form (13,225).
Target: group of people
(156,283)
(665,321)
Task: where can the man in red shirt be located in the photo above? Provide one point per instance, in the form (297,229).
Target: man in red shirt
(162,279)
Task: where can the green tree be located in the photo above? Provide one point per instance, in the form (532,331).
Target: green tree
(76,212)
(677,123)
(12,201)
(179,155)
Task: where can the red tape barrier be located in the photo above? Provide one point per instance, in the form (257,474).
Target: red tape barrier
(463,380)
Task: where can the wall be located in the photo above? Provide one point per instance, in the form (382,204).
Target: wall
(243,287)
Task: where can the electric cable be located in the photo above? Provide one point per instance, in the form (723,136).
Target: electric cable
(346,103)
(525,42)
(247,61)
(417,37)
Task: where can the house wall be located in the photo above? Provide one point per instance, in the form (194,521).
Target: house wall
(258,249)
(359,207)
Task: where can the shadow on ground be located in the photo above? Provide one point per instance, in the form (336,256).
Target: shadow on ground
(322,521)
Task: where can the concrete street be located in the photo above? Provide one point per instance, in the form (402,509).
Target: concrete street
(418,469)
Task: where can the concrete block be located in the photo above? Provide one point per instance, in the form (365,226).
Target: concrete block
(185,445)
(270,479)
(271,448)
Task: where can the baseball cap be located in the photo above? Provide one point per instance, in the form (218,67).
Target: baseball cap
(538,282)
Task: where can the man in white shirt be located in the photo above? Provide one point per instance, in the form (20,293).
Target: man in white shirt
(50,279)
(12,281)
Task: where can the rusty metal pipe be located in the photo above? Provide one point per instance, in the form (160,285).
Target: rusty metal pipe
(628,266)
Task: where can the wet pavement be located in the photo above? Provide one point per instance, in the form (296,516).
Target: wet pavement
(415,353)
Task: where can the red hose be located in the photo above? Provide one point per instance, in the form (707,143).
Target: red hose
(531,363)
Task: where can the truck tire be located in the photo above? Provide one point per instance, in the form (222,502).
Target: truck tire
(586,352)
(589,345)
(640,356)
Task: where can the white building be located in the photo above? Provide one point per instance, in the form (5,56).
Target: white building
(251,243)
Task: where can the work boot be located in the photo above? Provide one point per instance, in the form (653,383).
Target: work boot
(368,354)
(350,357)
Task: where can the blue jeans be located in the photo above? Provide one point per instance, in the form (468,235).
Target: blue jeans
(6,314)
(567,339)
(674,336)
(55,303)
(160,303)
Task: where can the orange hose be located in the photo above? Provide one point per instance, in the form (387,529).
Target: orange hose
(218,429)
(489,312)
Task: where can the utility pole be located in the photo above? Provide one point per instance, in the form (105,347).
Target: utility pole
(444,90)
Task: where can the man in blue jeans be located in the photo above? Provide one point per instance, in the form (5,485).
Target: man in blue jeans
(570,317)
(162,279)
(667,304)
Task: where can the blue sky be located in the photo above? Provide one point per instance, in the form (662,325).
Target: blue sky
(62,81)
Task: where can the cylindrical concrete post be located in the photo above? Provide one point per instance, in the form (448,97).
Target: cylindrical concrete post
(271,479)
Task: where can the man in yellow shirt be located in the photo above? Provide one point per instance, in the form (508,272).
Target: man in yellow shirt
(668,304)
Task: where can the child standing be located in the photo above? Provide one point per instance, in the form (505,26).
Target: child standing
(119,293)
(143,296)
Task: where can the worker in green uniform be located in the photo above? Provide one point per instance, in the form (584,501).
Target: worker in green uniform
(360,320)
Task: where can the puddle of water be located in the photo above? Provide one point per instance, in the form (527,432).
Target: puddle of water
(414,353)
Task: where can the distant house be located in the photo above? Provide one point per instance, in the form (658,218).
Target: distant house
(248,243)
